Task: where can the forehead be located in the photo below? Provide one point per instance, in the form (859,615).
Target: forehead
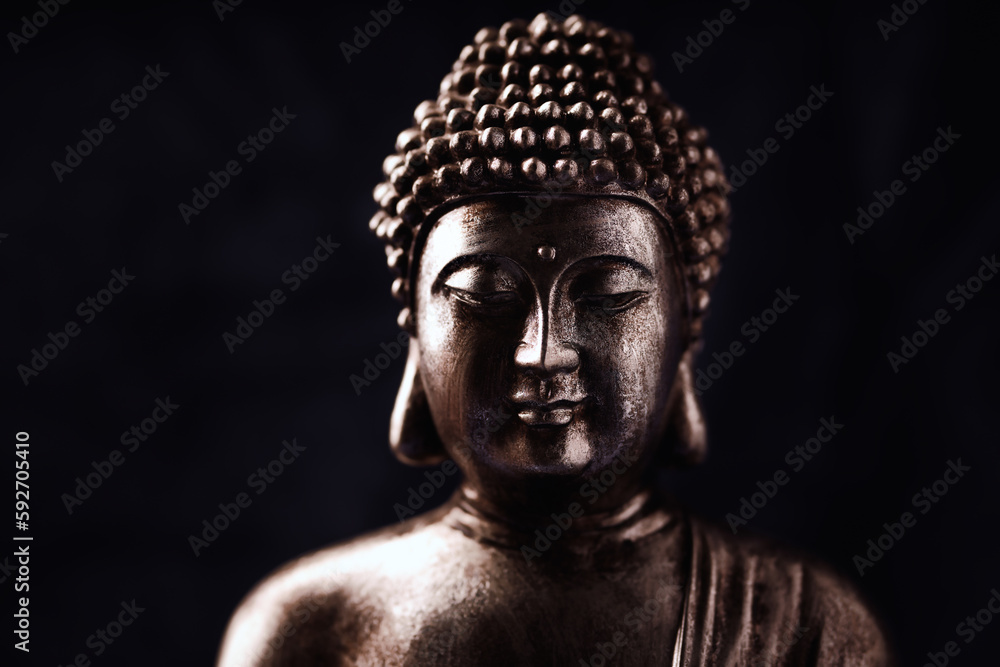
(575,226)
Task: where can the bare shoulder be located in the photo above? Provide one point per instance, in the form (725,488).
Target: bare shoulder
(319,608)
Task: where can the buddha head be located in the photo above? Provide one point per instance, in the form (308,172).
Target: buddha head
(555,224)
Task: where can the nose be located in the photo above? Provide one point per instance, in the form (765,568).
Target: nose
(543,349)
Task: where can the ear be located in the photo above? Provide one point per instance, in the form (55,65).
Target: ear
(685,441)
(412,435)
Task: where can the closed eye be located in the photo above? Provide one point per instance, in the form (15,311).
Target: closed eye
(485,299)
(612,303)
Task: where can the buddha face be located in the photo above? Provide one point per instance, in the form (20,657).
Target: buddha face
(548,350)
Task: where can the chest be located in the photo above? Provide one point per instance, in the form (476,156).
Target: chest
(504,618)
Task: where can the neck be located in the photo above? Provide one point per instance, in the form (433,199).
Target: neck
(565,528)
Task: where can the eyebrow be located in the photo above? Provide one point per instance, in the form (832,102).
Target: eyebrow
(464,260)
(615,259)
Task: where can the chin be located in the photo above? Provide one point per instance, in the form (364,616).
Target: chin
(544,451)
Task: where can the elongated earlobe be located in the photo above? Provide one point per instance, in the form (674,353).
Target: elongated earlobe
(412,435)
(685,441)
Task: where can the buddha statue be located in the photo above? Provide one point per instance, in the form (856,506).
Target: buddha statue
(555,224)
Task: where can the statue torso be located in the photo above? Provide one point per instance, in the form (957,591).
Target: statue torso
(440,591)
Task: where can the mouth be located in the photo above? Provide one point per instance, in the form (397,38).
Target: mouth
(548,414)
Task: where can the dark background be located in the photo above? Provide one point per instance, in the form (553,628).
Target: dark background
(162,336)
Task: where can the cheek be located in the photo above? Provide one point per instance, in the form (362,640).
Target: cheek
(464,364)
(628,364)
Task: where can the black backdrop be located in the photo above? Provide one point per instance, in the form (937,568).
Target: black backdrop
(161,336)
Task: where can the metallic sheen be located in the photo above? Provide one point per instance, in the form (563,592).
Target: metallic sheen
(550,363)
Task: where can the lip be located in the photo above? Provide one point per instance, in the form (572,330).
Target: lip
(548,414)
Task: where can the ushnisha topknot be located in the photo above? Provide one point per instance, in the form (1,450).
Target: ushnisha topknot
(555,107)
